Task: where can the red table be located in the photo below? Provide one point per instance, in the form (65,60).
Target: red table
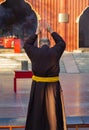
(21,74)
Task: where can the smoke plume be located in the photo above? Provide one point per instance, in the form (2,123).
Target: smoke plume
(17,18)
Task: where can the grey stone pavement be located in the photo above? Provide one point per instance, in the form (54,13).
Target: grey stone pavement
(74,78)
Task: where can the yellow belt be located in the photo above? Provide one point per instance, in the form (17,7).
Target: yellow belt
(45,79)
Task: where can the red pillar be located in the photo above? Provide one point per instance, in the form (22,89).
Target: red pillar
(63,25)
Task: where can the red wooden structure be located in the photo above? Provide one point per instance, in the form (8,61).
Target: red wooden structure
(49,11)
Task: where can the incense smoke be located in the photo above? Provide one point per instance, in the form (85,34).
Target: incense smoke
(17,18)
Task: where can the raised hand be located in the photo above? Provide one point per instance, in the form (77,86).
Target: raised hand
(48,27)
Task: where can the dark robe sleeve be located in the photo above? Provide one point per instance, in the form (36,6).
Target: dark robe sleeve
(29,44)
(59,43)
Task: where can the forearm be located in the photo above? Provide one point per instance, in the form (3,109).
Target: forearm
(31,40)
(58,39)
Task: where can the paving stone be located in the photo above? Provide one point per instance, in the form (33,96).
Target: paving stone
(69,63)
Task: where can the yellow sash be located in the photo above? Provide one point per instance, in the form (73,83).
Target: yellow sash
(45,79)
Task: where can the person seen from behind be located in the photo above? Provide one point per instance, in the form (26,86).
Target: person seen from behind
(45,109)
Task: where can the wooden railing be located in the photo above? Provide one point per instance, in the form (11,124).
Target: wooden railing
(76,126)
(72,122)
(11,127)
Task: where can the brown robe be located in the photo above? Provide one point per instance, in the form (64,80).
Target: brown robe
(45,107)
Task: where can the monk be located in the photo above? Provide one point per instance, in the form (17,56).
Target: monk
(45,106)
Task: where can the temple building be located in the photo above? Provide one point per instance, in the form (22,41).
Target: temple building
(69,18)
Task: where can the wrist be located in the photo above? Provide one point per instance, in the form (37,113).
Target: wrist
(38,32)
(51,31)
